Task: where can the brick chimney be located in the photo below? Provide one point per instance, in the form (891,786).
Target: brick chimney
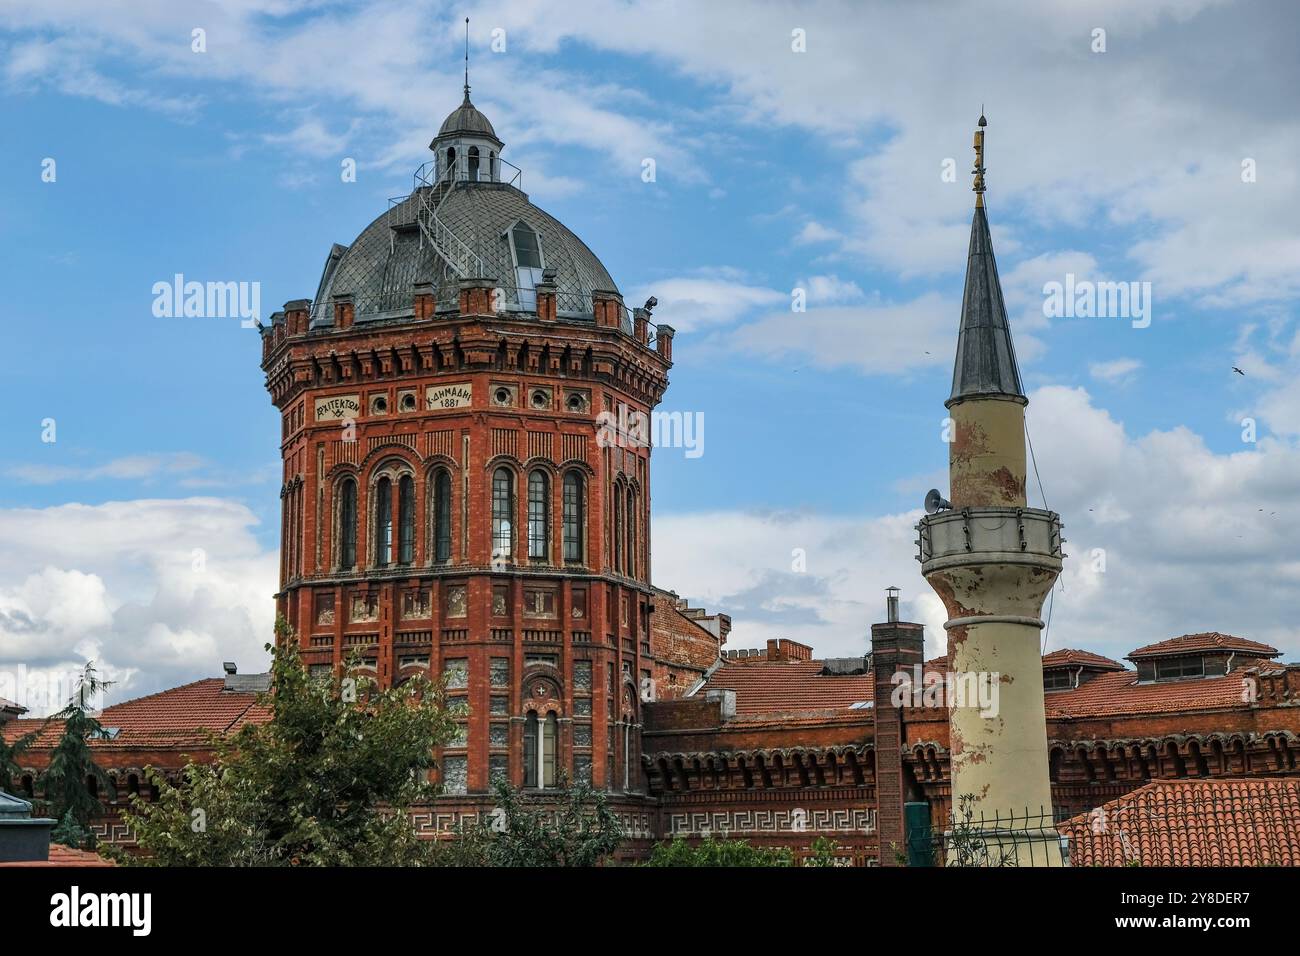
(895,645)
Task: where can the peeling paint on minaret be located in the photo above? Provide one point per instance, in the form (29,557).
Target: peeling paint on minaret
(993,560)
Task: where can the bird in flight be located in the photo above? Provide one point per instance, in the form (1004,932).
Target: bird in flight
(1238,371)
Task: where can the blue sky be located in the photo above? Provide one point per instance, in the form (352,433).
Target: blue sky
(775,170)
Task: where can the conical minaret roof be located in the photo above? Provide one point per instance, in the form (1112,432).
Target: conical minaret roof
(986,359)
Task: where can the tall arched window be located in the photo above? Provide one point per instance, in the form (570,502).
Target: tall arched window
(530,750)
(473,164)
(383,522)
(631,534)
(573,517)
(442,516)
(539,515)
(347,524)
(541,743)
(618,527)
(451,162)
(405,520)
(502,506)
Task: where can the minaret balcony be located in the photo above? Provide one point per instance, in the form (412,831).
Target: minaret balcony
(990,536)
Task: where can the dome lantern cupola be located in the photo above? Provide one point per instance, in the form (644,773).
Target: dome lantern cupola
(467,148)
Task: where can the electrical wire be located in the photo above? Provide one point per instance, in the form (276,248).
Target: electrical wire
(1051,599)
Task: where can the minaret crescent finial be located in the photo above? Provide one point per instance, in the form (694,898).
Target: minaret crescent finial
(979,160)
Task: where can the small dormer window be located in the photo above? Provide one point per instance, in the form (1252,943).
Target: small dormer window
(525,246)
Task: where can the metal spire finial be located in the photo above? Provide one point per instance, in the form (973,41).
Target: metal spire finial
(467,59)
(979,160)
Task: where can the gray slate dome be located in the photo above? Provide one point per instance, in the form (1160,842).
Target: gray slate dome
(467,119)
(381,267)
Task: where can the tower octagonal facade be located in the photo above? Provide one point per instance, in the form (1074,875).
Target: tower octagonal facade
(458,498)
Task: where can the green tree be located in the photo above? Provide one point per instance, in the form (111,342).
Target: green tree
(717,852)
(821,853)
(571,827)
(67,779)
(327,781)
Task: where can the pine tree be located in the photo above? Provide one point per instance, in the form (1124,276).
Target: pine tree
(72,766)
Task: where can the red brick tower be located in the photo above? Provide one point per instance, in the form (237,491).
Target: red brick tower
(451,501)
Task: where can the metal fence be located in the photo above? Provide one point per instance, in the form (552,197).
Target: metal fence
(1025,837)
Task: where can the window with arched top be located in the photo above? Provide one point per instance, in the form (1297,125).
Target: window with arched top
(442,516)
(450,168)
(405,520)
(347,524)
(383,522)
(618,527)
(541,750)
(473,164)
(539,514)
(502,507)
(573,516)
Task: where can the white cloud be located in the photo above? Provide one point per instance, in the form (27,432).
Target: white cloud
(157,592)
(1114,371)
(695,303)
(875,338)
(1190,540)
(141,467)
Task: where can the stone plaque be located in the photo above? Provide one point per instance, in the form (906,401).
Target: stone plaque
(459,395)
(337,408)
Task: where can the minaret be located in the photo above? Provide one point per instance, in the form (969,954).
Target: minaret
(992,561)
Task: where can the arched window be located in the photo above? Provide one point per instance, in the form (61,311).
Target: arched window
(618,527)
(502,499)
(541,743)
(347,524)
(539,517)
(451,162)
(530,751)
(631,533)
(442,516)
(383,522)
(492,166)
(573,517)
(405,520)
(473,164)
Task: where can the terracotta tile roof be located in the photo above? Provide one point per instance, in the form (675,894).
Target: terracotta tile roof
(1252,822)
(770,686)
(61,855)
(1118,692)
(1070,657)
(1207,641)
(9,705)
(177,717)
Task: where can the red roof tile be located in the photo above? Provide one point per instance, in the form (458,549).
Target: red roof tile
(1207,641)
(1252,822)
(1070,657)
(1119,692)
(769,686)
(61,855)
(177,717)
